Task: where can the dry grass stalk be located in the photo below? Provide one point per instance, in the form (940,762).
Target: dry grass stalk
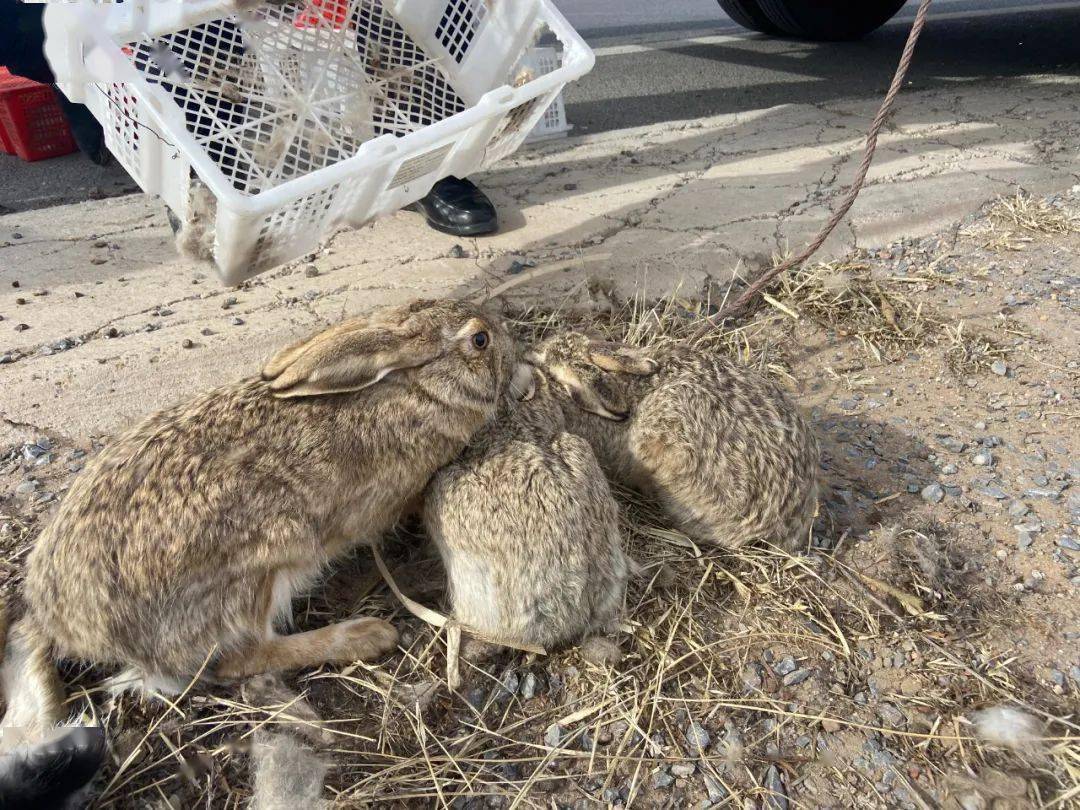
(1012,223)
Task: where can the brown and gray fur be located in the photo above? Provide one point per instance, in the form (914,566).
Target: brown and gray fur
(185,541)
(728,455)
(528,530)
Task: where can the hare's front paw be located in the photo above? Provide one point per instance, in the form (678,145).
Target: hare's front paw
(600,651)
(365,639)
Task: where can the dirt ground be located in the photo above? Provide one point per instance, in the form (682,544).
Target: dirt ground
(942,580)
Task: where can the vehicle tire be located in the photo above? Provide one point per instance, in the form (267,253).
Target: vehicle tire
(748,14)
(829,19)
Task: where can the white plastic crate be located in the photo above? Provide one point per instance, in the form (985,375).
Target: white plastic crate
(300,116)
(553,123)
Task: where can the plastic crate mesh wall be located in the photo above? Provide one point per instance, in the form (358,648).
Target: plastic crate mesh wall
(458,26)
(297,86)
(301,220)
(553,122)
(121,125)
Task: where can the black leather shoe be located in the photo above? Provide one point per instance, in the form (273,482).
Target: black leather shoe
(459,208)
(46,776)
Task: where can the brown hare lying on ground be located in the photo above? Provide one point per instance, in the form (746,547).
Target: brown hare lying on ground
(184,542)
(724,450)
(528,530)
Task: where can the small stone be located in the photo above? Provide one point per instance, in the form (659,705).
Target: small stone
(933,493)
(751,677)
(21,302)
(26,487)
(994,491)
(1018,509)
(21,327)
(662,779)
(6,358)
(16,235)
(310,271)
(950,469)
(569,187)
(508,687)
(952,444)
(697,737)
(830,725)
(1039,492)
(457,252)
(717,792)
(796,677)
(206,332)
(683,770)
(982,459)
(785,665)
(980,426)
(98,260)
(999,367)
(553,736)
(15,284)
(891,716)
(774,783)
(111,332)
(235,321)
(164,313)
(1068,543)
(1024,540)
(228,302)
(188,343)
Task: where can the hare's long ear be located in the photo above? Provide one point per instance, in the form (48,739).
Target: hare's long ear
(347,357)
(622,359)
(593,393)
(285,357)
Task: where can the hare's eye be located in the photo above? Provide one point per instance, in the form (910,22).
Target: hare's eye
(480,340)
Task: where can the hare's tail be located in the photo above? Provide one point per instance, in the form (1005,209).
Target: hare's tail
(29,682)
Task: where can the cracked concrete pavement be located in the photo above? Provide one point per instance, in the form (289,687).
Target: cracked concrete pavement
(117,325)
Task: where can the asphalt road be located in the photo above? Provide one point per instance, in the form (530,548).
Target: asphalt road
(705,65)
(668,60)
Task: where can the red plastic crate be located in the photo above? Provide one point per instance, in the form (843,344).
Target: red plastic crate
(32,123)
(5,145)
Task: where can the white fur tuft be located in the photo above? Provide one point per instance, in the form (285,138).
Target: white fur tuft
(148,686)
(1008,727)
(26,682)
(288,775)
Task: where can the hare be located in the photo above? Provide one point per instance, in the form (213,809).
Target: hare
(180,548)
(528,530)
(725,452)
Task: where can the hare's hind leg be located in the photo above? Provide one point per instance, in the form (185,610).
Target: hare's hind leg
(356,640)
